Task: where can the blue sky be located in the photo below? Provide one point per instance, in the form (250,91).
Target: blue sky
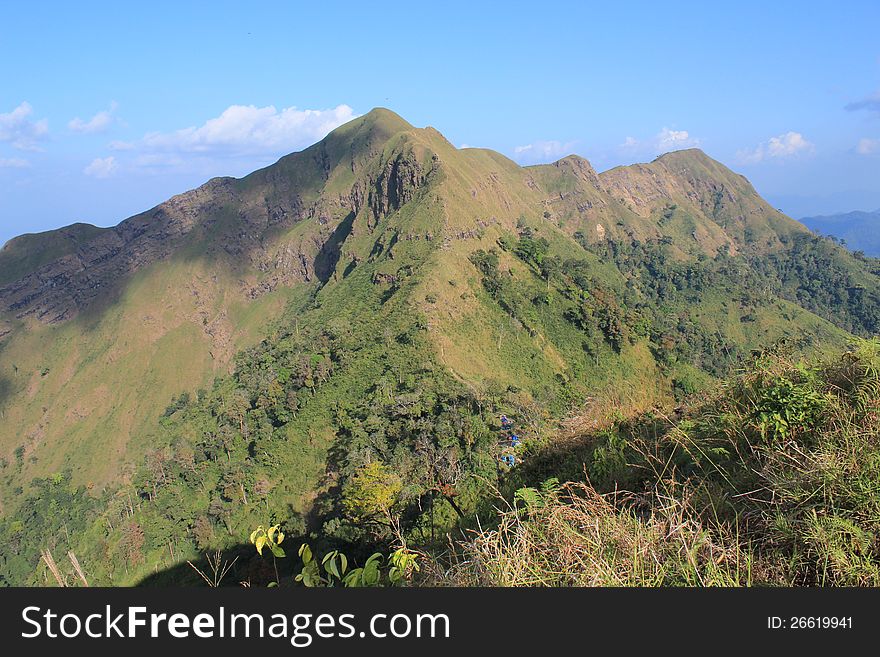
(107,109)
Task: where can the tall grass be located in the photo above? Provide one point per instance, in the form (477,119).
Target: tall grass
(773,480)
(577,537)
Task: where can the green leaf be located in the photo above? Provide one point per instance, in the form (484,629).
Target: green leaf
(371,574)
(354,578)
(330,565)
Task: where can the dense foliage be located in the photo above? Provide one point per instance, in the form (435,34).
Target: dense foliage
(817,274)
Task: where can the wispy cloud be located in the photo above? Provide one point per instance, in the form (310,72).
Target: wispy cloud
(98,123)
(17,128)
(101,167)
(246,129)
(782,147)
(870,103)
(542,151)
(242,136)
(14,163)
(868,146)
(117,145)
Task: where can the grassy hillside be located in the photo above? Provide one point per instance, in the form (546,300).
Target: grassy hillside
(771,480)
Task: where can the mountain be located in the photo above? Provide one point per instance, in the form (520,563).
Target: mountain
(860,230)
(361,311)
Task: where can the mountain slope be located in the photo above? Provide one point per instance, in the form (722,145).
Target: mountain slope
(377,297)
(99,339)
(699,186)
(670,500)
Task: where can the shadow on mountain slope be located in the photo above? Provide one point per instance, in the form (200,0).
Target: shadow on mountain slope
(5,389)
(244,565)
(328,256)
(246,568)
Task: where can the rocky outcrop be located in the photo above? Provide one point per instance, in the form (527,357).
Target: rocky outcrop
(396,185)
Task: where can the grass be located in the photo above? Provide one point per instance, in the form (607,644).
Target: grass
(773,480)
(576,537)
(108,381)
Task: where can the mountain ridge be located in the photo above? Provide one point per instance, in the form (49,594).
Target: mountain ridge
(554,280)
(173,219)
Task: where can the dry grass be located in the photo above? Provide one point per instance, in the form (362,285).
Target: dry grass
(775,480)
(578,537)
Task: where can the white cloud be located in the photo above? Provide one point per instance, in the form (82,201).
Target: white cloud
(101,167)
(664,141)
(98,123)
(542,151)
(17,128)
(241,139)
(668,140)
(14,163)
(161,162)
(790,144)
(246,129)
(868,146)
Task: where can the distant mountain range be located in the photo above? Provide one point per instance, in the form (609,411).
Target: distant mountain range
(860,230)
